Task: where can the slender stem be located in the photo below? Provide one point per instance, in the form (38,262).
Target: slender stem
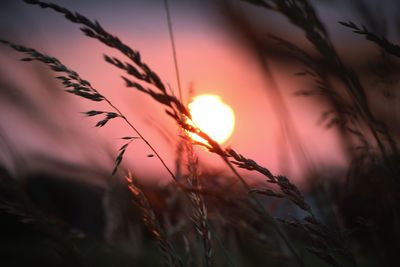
(141,137)
(268,216)
(178,80)
(171,35)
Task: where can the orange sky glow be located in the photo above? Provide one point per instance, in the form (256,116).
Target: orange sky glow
(212,60)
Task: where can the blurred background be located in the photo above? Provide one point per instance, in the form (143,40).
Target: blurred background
(224,47)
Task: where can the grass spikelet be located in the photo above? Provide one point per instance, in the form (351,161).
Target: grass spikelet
(153,226)
(199,217)
(177,110)
(349,110)
(382,42)
(83,89)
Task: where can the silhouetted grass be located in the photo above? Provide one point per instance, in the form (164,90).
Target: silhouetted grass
(200,220)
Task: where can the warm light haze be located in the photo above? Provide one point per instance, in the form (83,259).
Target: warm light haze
(213,117)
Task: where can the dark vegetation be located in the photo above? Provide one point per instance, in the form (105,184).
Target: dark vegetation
(207,218)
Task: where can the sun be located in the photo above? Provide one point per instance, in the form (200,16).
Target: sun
(213,117)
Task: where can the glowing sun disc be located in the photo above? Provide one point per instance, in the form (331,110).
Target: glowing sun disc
(213,117)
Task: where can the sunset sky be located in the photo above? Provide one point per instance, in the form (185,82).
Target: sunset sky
(214,58)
